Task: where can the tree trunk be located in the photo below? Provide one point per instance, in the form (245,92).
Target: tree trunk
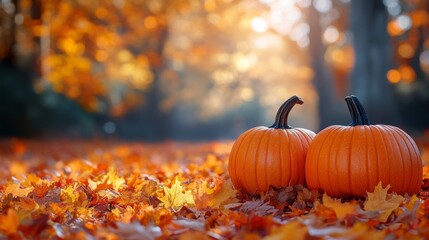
(329,103)
(368,81)
(156,121)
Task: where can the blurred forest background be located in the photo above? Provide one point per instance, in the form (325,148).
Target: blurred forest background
(208,69)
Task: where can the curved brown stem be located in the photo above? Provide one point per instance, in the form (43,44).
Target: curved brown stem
(283,113)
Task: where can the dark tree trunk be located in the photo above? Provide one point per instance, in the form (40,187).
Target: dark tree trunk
(368,80)
(329,103)
(148,121)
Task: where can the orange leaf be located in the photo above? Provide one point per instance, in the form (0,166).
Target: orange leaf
(291,230)
(9,222)
(17,191)
(341,209)
(382,202)
(217,199)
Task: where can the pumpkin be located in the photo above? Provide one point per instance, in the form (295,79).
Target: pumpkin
(351,160)
(275,155)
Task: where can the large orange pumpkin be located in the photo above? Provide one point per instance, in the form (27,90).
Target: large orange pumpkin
(264,156)
(351,160)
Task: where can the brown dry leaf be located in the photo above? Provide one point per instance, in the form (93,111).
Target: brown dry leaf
(258,207)
(291,230)
(382,202)
(16,190)
(9,222)
(281,196)
(341,209)
(175,197)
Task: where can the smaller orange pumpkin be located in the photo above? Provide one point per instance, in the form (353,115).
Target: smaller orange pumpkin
(352,160)
(264,156)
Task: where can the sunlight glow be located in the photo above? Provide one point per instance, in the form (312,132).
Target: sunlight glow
(331,34)
(393,76)
(323,6)
(259,25)
(404,22)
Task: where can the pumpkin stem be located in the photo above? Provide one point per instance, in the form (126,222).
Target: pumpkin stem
(357,112)
(283,113)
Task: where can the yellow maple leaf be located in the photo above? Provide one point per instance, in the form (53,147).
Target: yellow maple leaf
(291,230)
(341,209)
(175,197)
(117,181)
(382,202)
(16,190)
(69,194)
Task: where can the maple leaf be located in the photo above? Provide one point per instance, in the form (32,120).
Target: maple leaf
(115,180)
(382,202)
(27,204)
(341,209)
(9,222)
(31,179)
(40,190)
(99,185)
(217,198)
(69,194)
(258,207)
(291,230)
(17,191)
(147,187)
(175,197)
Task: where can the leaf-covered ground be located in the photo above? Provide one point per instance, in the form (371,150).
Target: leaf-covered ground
(118,190)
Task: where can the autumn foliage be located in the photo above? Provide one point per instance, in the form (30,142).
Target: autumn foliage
(112,190)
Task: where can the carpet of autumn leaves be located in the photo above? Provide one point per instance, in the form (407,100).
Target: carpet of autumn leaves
(67,189)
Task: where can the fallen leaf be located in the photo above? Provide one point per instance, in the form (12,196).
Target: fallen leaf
(382,202)
(9,222)
(175,197)
(69,194)
(16,190)
(281,196)
(341,209)
(117,181)
(358,231)
(219,197)
(99,185)
(135,231)
(291,230)
(258,207)
(194,235)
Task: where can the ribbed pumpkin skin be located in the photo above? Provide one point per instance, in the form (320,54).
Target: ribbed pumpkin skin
(264,156)
(351,160)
